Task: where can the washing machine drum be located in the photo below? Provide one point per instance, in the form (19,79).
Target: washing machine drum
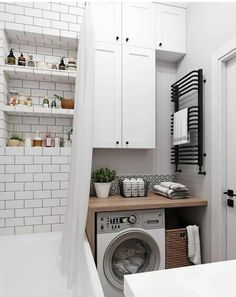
(130,252)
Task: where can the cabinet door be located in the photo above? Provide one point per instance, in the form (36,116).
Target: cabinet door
(170,28)
(107,113)
(107,21)
(138,24)
(138,100)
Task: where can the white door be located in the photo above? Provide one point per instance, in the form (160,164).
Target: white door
(138,23)
(231,158)
(138,100)
(170,28)
(107,118)
(107,21)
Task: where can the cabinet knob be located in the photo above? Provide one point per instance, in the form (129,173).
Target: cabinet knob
(160,44)
(127,39)
(117,37)
(127,142)
(117,142)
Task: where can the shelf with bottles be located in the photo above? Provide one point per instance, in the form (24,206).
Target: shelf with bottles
(37,74)
(22,110)
(38,140)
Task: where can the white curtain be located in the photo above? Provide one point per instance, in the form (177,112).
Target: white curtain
(81,159)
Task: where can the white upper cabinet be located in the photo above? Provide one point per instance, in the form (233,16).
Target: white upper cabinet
(107,21)
(136,19)
(138,24)
(107,109)
(170,28)
(138,98)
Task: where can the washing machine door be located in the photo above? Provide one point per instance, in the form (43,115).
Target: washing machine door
(132,251)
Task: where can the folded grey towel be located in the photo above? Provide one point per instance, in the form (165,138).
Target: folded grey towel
(171,193)
(173,186)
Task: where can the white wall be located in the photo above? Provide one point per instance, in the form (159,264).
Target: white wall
(156,161)
(209,26)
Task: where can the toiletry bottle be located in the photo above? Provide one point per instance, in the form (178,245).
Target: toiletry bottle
(37,140)
(28,142)
(141,190)
(62,65)
(53,104)
(48,140)
(134,187)
(31,62)
(127,187)
(45,102)
(11,59)
(21,60)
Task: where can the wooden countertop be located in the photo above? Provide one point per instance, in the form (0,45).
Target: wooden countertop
(119,203)
(116,203)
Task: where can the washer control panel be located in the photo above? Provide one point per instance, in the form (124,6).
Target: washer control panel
(109,222)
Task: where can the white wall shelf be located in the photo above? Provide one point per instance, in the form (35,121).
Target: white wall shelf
(22,110)
(37,74)
(45,40)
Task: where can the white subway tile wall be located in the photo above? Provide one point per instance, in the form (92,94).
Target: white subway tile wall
(33,190)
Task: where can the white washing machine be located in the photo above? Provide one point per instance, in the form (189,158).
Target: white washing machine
(128,242)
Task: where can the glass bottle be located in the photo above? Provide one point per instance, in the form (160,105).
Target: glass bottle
(11,59)
(45,102)
(48,139)
(21,60)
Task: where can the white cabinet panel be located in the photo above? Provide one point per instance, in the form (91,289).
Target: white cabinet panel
(138,24)
(170,28)
(107,117)
(107,21)
(138,100)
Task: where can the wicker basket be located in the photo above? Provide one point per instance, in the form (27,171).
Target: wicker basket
(177,248)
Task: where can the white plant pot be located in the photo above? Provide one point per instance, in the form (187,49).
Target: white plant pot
(102,189)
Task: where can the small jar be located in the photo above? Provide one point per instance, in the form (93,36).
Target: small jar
(71,64)
(37,141)
(31,62)
(28,102)
(13,98)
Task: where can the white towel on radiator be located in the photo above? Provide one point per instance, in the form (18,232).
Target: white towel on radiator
(194,248)
(181,133)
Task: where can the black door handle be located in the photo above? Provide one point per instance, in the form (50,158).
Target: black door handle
(127,39)
(127,142)
(160,44)
(117,37)
(230,193)
(117,142)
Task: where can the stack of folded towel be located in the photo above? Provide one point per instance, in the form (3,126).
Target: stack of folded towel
(172,190)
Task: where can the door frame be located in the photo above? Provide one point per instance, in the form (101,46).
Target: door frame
(218,148)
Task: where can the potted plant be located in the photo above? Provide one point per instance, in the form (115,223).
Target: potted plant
(66,103)
(102,179)
(15,140)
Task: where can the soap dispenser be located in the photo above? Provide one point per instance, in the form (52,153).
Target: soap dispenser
(11,59)
(62,65)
